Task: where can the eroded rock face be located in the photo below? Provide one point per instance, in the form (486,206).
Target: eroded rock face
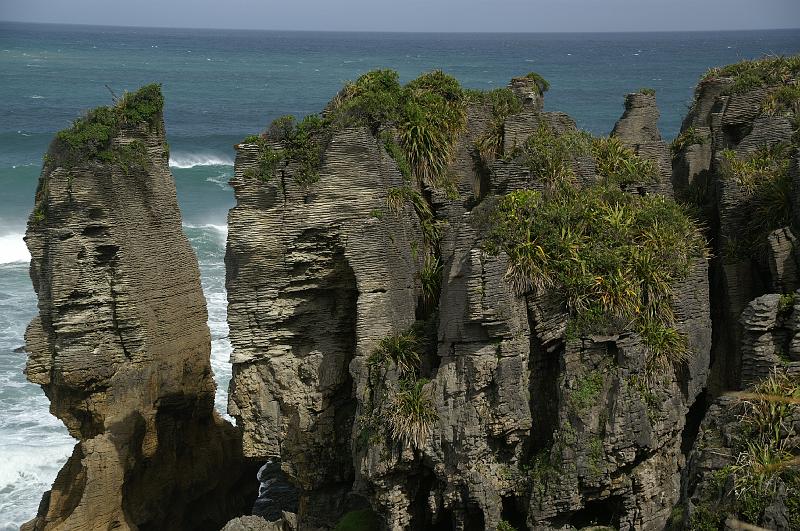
(121,346)
(726,123)
(318,275)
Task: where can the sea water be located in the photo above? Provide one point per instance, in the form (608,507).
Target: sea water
(223,85)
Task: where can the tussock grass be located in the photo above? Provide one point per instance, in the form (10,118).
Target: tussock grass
(613,256)
(89,137)
(748,75)
(412,414)
(767,182)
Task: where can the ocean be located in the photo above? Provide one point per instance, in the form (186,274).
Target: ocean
(223,85)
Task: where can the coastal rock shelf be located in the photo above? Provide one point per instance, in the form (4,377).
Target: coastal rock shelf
(449,310)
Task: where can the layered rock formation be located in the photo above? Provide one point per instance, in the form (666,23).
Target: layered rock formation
(120,345)
(399,361)
(533,428)
(736,158)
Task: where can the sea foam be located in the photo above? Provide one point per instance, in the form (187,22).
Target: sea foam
(13,249)
(191,160)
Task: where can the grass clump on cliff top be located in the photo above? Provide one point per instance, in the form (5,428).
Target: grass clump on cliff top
(89,138)
(611,254)
(550,155)
(541,83)
(748,75)
(418,123)
(767,183)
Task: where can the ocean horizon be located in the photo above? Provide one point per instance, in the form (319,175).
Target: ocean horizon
(222,85)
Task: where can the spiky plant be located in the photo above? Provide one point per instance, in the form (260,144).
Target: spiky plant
(412,414)
(402,349)
(431,280)
(618,164)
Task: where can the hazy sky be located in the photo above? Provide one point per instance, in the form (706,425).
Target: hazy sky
(417,15)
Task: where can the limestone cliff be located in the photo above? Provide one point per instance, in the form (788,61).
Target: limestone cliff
(528,421)
(736,158)
(120,345)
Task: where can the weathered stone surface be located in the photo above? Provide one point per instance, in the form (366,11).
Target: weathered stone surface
(735,121)
(316,278)
(502,376)
(121,348)
(638,129)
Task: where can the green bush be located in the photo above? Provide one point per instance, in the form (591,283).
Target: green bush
(89,138)
(504,104)
(612,255)
(402,349)
(647,91)
(431,280)
(765,177)
(542,84)
(618,164)
(549,155)
(747,75)
(689,137)
(784,100)
(587,391)
(412,413)
(503,525)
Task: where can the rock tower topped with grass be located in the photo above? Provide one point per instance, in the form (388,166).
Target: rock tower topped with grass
(450,309)
(120,344)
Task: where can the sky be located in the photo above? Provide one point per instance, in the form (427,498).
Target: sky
(416,15)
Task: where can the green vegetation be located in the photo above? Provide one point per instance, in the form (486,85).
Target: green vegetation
(766,456)
(412,413)
(89,138)
(687,138)
(705,519)
(748,75)
(504,104)
(550,155)
(784,100)
(786,304)
(363,520)
(611,254)
(541,83)
(402,349)
(503,525)
(765,177)
(587,391)
(618,164)
(431,279)
(543,472)
(647,91)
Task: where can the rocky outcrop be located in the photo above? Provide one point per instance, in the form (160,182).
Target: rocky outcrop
(724,124)
(736,159)
(532,427)
(638,129)
(120,345)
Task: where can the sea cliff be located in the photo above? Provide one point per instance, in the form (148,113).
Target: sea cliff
(449,309)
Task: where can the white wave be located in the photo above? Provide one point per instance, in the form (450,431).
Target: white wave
(37,97)
(13,249)
(190,160)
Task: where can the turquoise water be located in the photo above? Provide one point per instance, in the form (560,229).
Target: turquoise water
(223,85)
